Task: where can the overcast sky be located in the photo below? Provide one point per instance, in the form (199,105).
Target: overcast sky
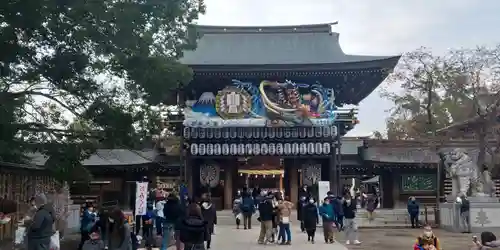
(374,27)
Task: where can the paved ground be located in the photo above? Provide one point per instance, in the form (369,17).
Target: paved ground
(227,237)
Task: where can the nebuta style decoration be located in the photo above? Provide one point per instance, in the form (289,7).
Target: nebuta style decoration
(268,103)
(233,103)
(209,175)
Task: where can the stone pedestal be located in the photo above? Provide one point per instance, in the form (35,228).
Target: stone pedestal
(484,215)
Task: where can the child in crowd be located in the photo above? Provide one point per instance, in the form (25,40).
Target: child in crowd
(427,241)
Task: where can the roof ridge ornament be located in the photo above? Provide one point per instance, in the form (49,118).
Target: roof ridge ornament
(306,28)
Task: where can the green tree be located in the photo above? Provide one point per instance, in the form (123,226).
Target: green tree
(103,63)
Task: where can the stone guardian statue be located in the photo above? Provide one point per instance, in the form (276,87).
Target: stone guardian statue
(464,173)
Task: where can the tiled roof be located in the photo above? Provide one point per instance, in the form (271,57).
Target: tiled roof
(105,157)
(279,45)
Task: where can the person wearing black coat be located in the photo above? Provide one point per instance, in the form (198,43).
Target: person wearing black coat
(173,212)
(300,205)
(209,214)
(193,228)
(266,211)
(311,219)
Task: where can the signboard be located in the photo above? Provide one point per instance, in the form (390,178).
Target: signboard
(418,183)
(141,198)
(323,188)
(269,103)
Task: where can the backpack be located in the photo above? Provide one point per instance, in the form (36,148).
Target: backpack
(246,204)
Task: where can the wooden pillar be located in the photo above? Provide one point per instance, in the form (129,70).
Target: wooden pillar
(228,186)
(281,182)
(294,187)
(189,177)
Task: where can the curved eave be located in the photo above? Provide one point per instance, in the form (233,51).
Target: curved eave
(353,80)
(377,63)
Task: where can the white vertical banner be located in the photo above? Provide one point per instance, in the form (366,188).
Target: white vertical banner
(323,188)
(141,198)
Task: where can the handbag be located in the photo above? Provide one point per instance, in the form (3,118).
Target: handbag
(285,220)
(55,242)
(19,235)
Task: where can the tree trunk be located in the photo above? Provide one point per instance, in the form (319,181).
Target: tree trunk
(482,140)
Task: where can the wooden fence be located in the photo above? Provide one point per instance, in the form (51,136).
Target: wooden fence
(17,186)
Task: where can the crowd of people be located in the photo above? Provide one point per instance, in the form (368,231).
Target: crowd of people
(274,210)
(189,223)
(192,223)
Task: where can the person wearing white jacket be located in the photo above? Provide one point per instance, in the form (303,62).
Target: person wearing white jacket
(160,217)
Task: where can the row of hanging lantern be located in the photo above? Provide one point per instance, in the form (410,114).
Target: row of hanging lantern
(264,175)
(259,132)
(318,148)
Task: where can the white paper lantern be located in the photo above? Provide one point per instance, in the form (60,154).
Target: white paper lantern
(217,149)
(326,148)
(202,133)
(295,148)
(334,131)
(279,132)
(310,132)
(225,133)
(272,133)
(187,132)
(233,133)
(194,149)
(241,149)
(318,132)
(279,149)
(288,133)
(241,133)
(272,149)
(264,132)
(256,149)
(319,148)
(310,148)
(264,149)
(210,133)
(303,149)
(287,149)
(295,132)
(256,132)
(233,149)
(302,132)
(248,149)
(210,149)
(194,133)
(202,149)
(225,149)
(217,133)
(248,133)
(326,131)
